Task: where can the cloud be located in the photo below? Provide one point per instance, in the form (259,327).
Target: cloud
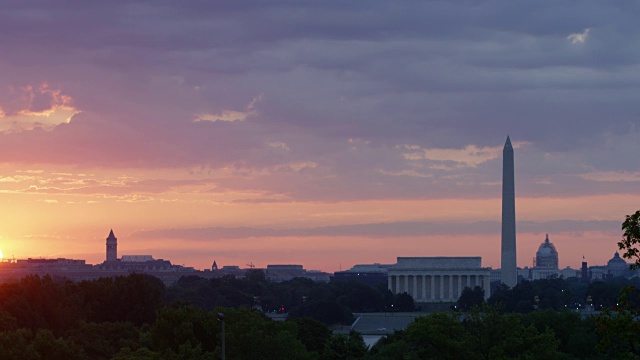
(446,79)
(407,173)
(278,145)
(470,156)
(16,179)
(579,38)
(231,115)
(379,230)
(30,107)
(613,176)
(225,115)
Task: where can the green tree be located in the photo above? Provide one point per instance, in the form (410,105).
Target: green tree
(404,302)
(23,344)
(618,325)
(104,340)
(140,354)
(631,238)
(16,345)
(312,333)
(188,332)
(327,312)
(341,347)
(176,326)
(7,321)
(576,336)
(53,348)
(470,299)
(135,298)
(480,335)
(437,336)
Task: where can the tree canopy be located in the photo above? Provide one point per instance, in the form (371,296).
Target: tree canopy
(631,238)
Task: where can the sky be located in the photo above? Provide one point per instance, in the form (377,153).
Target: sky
(325,133)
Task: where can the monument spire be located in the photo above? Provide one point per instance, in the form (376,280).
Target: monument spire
(509,264)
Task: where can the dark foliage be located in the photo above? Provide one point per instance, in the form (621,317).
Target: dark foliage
(558,294)
(631,238)
(300,297)
(312,333)
(327,312)
(470,299)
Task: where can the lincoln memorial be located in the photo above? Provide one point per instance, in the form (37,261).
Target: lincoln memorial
(438,279)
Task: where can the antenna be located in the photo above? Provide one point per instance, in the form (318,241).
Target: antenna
(250,265)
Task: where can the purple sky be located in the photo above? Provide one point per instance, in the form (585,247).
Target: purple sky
(288,119)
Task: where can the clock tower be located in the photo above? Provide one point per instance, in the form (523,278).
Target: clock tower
(112,247)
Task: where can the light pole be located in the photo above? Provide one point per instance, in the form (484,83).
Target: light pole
(221,318)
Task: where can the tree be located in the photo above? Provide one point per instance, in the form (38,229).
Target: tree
(470,299)
(327,312)
(437,336)
(23,344)
(190,325)
(101,341)
(495,336)
(404,302)
(340,347)
(618,329)
(631,238)
(312,333)
(618,325)
(188,332)
(474,335)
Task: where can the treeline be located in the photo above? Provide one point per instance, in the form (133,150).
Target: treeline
(560,294)
(488,334)
(330,303)
(42,303)
(137,317)
(550,294)
(128,318)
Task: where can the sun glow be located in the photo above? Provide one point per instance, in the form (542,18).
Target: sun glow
(0,254)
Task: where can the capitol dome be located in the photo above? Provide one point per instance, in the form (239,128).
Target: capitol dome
(547,256)
(617,266)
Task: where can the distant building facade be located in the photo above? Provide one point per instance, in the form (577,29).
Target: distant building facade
(286,272)
(617,266)
(546,267)
(438,279)
(136,258)
(370,274)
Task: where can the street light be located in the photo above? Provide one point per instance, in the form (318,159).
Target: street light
(221,318)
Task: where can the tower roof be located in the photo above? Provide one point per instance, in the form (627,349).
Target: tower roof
(616,259)
(508,142)
(547,247)
(547,255)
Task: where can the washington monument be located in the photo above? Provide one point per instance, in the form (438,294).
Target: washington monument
(508,265)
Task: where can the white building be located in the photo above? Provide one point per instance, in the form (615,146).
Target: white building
(569,273)
(438,279)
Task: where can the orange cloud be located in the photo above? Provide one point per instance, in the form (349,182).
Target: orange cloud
(231,115)
(35,107)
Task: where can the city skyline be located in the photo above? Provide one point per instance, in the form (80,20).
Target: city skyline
(324,134)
